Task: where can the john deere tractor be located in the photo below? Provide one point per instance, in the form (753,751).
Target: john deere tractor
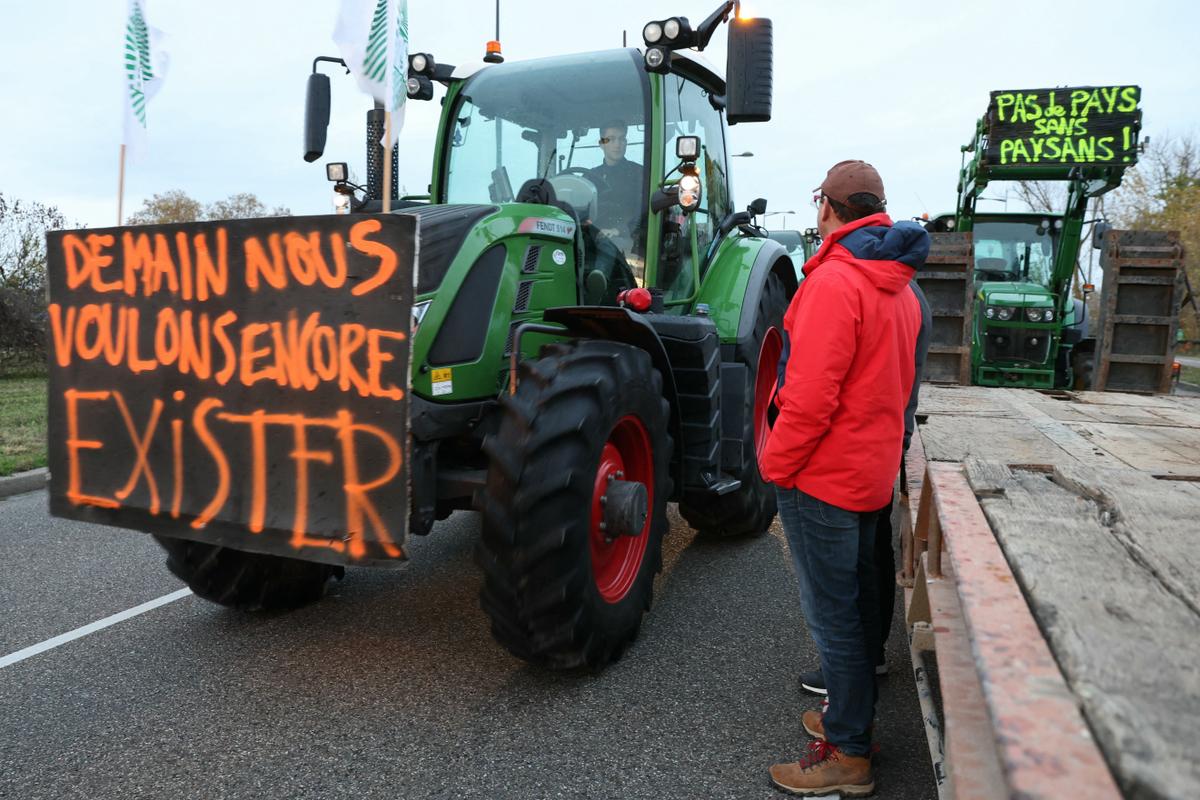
(1027,328)
(592,337)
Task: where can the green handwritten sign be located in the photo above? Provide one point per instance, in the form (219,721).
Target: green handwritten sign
(1086,125)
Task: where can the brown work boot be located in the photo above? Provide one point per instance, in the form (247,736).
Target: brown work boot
(814,725)
(824,770)
(813,722)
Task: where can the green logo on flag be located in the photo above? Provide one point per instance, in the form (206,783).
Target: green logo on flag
(137,61)
(400,67)
(375,59)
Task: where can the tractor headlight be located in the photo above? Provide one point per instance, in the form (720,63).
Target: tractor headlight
(1002,313)
(689,192)
(671,28)
(652,32)
(1048,315)
(1033,314)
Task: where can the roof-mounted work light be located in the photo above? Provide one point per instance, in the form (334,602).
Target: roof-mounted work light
(675,33)
(658,59)
(421,64)
(419,88)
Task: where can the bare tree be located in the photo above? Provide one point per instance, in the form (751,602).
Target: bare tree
(1049,197)
(177,206)
(23,227)
(170,206)
(1163,193)
(242,206)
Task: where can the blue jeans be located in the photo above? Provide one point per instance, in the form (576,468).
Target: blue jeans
(834,553)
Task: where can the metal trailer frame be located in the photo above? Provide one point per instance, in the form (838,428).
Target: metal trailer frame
(1011,726)
(1143,293)
(947,279)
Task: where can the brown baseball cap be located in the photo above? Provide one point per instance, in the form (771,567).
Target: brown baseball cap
(851,177)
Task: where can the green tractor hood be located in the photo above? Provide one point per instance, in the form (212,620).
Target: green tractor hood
(481,271)
(1016,293)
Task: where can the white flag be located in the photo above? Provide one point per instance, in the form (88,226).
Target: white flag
(145,68)
(372,36)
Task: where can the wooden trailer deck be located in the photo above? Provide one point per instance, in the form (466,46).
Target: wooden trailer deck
(1052,545)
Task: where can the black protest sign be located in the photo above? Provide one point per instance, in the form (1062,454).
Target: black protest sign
(243,383)
(1089,125)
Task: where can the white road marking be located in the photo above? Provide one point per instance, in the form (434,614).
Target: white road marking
(92,627)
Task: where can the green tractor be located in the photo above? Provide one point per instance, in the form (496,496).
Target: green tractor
(596,328)
(1027,329)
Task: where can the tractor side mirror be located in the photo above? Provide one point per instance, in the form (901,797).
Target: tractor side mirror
(749,71)
(1098,232)
(758,207)
(316,116)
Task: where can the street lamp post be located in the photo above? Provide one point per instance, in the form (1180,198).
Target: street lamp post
(784,213)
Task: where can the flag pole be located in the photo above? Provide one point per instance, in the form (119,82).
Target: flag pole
(387,162)
(121,186)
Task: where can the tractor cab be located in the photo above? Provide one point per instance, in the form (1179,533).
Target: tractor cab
(570,132)
(580,133)
(1016,248)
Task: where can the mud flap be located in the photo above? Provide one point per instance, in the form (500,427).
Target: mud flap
(241,383)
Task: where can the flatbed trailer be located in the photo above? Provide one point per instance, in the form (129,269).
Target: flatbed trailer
(1051,558)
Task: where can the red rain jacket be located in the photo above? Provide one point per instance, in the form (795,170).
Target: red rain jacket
(851,331)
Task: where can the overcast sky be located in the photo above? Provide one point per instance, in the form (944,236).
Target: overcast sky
(897,84)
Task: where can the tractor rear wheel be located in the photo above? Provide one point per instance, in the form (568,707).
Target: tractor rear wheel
(247,581)
(748,511)
(574,509)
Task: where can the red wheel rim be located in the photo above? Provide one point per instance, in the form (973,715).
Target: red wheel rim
(764,386)
(615,563)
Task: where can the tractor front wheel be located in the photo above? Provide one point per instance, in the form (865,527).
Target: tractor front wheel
(1083,363)
(574,510)
(247,581)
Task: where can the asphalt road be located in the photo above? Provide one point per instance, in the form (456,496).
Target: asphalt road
(392,687)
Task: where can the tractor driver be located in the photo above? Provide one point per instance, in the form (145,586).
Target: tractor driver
(620,186)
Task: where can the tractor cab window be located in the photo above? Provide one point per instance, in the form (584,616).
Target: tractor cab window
(578,122)
(688,111)
(1015,250)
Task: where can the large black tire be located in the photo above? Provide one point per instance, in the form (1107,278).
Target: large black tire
(247,581)
(749,510)
(1083,363)
(557,594)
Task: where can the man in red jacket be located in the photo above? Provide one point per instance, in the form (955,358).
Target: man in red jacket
(835,449)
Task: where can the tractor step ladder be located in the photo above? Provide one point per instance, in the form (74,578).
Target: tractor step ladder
(1139,311)
(947,279)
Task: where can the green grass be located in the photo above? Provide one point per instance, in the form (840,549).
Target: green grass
(1190,375)
(22,424)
